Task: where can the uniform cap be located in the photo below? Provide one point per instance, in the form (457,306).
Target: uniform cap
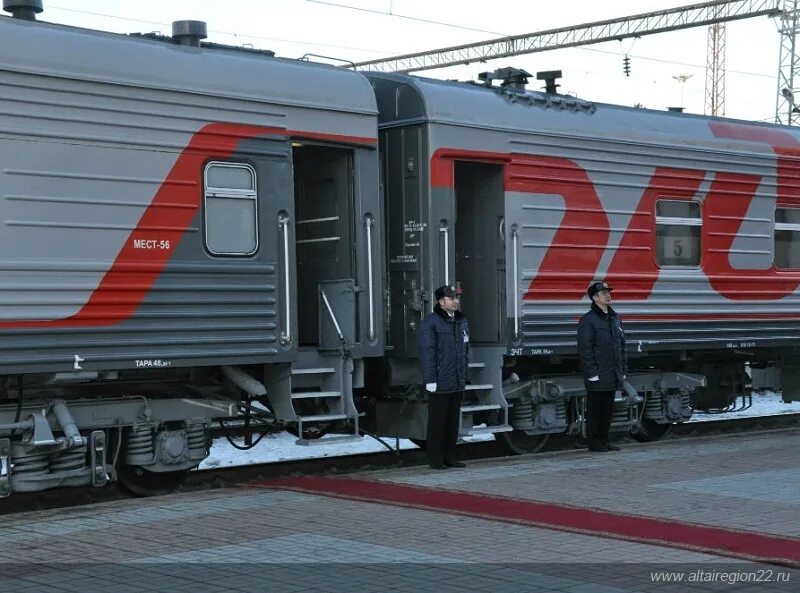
(447,291)
(597,287)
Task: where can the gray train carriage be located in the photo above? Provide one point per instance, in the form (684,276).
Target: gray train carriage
(524,198)
(180,230)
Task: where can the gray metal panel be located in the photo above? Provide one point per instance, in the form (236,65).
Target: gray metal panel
(619,150)
(137,64)
(413,240)
(369,217)
(399,100)
(94,126)
(483,108)
(201,310)
(543,335)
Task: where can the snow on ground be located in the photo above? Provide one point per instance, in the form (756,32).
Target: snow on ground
(282,447)
(768,403)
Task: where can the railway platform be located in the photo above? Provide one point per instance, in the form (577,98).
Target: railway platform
(703,514)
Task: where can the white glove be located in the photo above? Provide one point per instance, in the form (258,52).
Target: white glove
(430,387)
(595,378)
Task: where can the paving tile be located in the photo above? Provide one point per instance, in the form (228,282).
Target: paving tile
(243,539)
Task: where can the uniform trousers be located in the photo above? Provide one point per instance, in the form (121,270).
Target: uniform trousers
(599,409)
(444,417)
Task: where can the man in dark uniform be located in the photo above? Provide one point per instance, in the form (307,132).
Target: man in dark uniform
(601,346)
(444,354)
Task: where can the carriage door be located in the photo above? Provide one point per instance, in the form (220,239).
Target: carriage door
(480,249)
(323,195)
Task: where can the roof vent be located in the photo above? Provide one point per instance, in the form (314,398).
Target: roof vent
(511,78)
(189,32)
(549,77)
(23,9)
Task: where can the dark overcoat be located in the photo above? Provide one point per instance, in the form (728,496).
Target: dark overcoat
(601,347)
(444,350)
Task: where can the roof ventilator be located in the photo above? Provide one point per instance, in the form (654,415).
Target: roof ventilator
(549,77)
(23,9)
(513,84)
(512,78)
(189,33)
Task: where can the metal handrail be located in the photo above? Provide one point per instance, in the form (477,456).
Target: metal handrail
(333,317)
(515,280)
(283,225)
(369,222)
(444,230)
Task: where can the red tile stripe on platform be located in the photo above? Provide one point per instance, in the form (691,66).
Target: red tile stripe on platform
(664,532)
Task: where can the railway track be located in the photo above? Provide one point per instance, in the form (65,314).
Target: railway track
(229,476)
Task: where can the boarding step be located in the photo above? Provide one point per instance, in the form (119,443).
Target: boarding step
(337,440)
(5,467)
(310,394)
(322,418)
(489,429)
(314,371)
(479,387)
(480,408)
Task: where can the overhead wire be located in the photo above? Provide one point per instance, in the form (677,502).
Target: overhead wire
(379,52)
(444,24)
(402,16)
(216,31)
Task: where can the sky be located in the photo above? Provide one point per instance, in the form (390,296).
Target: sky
(358,30)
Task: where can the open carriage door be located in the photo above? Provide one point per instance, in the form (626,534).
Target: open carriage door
(480,270)
(325,236)
(480,259)
(322,376)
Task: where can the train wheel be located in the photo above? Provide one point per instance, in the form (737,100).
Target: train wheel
(517,442)
(651,431)
(141,482)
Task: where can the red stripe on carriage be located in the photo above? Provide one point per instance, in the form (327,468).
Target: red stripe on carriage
(571,260)
(726,208)
(124,286)
(663,532)
(633,271)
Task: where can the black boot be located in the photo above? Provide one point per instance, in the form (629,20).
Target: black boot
(454,463)
(596,446)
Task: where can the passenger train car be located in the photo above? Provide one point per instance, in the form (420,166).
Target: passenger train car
(194,232)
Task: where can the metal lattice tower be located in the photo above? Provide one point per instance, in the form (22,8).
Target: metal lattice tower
(715,70)
(786,109)
(662,21)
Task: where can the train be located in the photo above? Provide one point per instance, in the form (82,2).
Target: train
(196,234)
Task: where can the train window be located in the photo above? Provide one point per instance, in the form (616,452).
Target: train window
(231,209)
(678,226)
(787,238)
